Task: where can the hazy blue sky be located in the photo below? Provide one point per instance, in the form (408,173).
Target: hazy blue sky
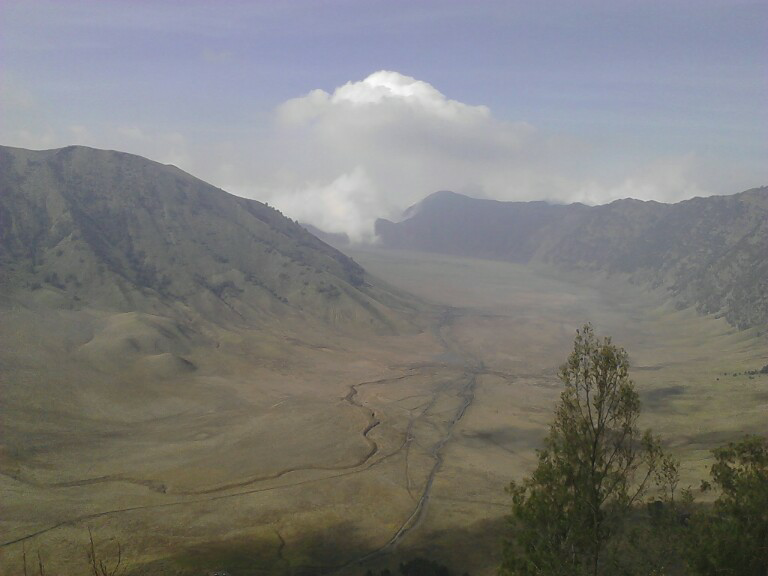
(341,111)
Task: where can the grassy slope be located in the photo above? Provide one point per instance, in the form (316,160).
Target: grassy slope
(161,338)
(122,232)
(242,416)
(521,321)
(212,431)
(711,253)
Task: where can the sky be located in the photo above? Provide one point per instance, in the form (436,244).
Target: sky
(338,112)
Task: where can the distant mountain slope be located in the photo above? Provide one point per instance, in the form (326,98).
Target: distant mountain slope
(81,227)
(160,337)
(708,252)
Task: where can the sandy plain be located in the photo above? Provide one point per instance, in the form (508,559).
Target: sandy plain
(277,454)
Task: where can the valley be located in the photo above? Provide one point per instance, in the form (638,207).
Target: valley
(299,449)
(332,288)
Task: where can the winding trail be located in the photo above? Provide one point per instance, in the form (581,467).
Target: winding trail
(472,367)
(365,463)
(452,357)
(419,510)
(191,501)
(160,487)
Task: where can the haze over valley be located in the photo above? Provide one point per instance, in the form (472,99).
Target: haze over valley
(180,361)
(373,288)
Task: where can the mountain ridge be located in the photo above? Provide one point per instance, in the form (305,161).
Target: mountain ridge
(711,253)
(106,227)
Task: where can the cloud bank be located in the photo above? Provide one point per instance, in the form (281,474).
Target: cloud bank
(385,142)
(372,148)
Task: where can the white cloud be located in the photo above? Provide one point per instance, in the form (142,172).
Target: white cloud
(405,137)
(382,92)
(348,205)
(371,148)
(381,144)
(387,87)
(669,179)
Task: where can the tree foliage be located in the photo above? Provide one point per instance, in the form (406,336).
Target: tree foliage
(732,538)
(567,517)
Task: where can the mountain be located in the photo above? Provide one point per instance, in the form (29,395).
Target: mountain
(711,253)
(331,238)
(163,342)
(81,228)
(130,289)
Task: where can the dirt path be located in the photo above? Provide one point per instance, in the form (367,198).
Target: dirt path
(467,381)
(464,384)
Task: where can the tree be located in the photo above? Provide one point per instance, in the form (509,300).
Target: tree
(732,538)
(595,464)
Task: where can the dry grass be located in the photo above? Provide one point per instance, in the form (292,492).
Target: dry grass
(228,449)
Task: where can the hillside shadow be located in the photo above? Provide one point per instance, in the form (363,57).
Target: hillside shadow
(657,399)
(338,550)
